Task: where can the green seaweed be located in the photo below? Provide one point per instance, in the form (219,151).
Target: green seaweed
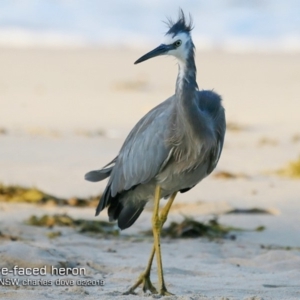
(83,226)
(292,169)
(190,228)
(19,194)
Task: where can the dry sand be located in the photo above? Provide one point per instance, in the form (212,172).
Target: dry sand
(66,112)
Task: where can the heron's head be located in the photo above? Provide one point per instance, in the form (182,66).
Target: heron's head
(177,41)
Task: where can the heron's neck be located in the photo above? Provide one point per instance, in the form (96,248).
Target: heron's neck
(186,79)
(186,85)
(186,96)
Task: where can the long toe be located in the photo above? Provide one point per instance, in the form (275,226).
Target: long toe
(148,286)
(131,291)
(144,280)
(164,292)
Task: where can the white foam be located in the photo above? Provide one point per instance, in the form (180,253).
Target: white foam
(23,38)
(273,25)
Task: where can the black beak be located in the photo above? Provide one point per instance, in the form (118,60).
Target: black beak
(160,50)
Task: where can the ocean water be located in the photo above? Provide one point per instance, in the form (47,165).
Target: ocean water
(233,25)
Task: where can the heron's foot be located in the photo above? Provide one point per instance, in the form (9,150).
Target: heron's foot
(148,286)
(164,292)
(144,280)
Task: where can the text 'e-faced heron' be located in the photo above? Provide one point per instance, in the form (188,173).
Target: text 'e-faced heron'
(172,148)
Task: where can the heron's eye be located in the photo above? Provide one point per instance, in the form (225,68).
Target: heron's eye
(177,43)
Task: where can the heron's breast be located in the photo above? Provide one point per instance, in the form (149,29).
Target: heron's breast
(184,169)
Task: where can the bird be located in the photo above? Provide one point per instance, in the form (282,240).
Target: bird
(171,149)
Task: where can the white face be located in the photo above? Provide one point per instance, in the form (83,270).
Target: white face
(181,51)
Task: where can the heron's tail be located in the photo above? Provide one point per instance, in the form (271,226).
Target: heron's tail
(98,175)
(126,212)
(126,215)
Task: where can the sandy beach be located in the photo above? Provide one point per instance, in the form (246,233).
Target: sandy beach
(66,112)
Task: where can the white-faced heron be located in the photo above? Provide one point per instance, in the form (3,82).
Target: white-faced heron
(172,148)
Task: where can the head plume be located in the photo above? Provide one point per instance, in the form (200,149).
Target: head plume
(181,25)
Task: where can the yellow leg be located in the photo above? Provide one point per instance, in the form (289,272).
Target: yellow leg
(144,278)
(165,211)
(156,226)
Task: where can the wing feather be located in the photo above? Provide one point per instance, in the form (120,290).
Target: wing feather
(210,102)
(143,152)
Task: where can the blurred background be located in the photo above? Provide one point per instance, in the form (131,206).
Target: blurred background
(70,94)
(265,27)
(231,25)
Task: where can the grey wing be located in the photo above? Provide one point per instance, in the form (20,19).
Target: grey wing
(211,103)
(215,155)
(144,151)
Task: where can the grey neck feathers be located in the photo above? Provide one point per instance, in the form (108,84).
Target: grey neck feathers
(186,80)
(189,122)
(186,88)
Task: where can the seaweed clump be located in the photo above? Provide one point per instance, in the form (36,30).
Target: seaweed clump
(190,228)
(83,226)
(19,194)
(292,169)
